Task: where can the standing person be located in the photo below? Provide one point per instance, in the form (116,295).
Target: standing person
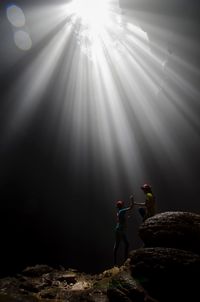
(147,208)
(120,230)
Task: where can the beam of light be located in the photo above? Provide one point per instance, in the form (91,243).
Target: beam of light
(111,91)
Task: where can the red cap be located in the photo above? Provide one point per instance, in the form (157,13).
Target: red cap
(146,187)
(119,203)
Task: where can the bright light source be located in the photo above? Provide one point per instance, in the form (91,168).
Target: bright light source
(93,13)
(96,24)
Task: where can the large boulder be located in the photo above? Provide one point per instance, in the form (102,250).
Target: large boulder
(166,273)
(172,229)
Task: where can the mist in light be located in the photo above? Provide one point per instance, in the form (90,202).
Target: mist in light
(114,95)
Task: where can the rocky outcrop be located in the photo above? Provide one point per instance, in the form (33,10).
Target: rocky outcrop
(168,265)
(172,229)
(159,260)
(167,268)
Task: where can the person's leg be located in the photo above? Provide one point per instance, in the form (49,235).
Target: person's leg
(126,246)
(142,212)
(116,245)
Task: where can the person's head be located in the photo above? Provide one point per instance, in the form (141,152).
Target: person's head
(146,188)
(119,204)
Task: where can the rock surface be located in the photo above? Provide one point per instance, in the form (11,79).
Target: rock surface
(37,270)
(164,272)
(172,229)
(67,286)
(123,287)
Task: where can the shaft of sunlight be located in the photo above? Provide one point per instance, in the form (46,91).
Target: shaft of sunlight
(115,90)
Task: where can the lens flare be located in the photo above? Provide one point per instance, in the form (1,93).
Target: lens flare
(22,40)
(16,16)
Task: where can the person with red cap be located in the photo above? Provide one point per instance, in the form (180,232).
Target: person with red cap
(120,230)
(148,208)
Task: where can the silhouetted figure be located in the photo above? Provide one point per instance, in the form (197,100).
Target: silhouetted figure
(120,231)
(147,208)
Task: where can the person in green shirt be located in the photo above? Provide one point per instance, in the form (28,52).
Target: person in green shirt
(148,208)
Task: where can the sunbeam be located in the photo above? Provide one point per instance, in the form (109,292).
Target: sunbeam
(106,75)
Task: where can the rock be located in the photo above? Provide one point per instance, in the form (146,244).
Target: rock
(123,285)
(8,284)
(69,278)
(110,272)
(87,296)
(81,285)
(33,286)
(97,296)
(117,295)
(172,229)
(37,270)
(30,287)
(14,298)
(166,272)
(50,293)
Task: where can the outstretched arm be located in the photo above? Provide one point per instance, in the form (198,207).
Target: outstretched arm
(140,204)
(131,201)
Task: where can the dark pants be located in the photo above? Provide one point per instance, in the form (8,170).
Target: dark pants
(120,236)
(143,213)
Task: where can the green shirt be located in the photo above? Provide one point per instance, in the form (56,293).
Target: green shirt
(150,204)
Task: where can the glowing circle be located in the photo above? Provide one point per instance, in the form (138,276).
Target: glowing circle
(22,40)
(16,16)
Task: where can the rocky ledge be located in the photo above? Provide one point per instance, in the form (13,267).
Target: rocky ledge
(172,229)
(166,269)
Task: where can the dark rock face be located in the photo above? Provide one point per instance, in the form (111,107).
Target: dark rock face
(124,288)
(166,272)
(172,229)
(151,261)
